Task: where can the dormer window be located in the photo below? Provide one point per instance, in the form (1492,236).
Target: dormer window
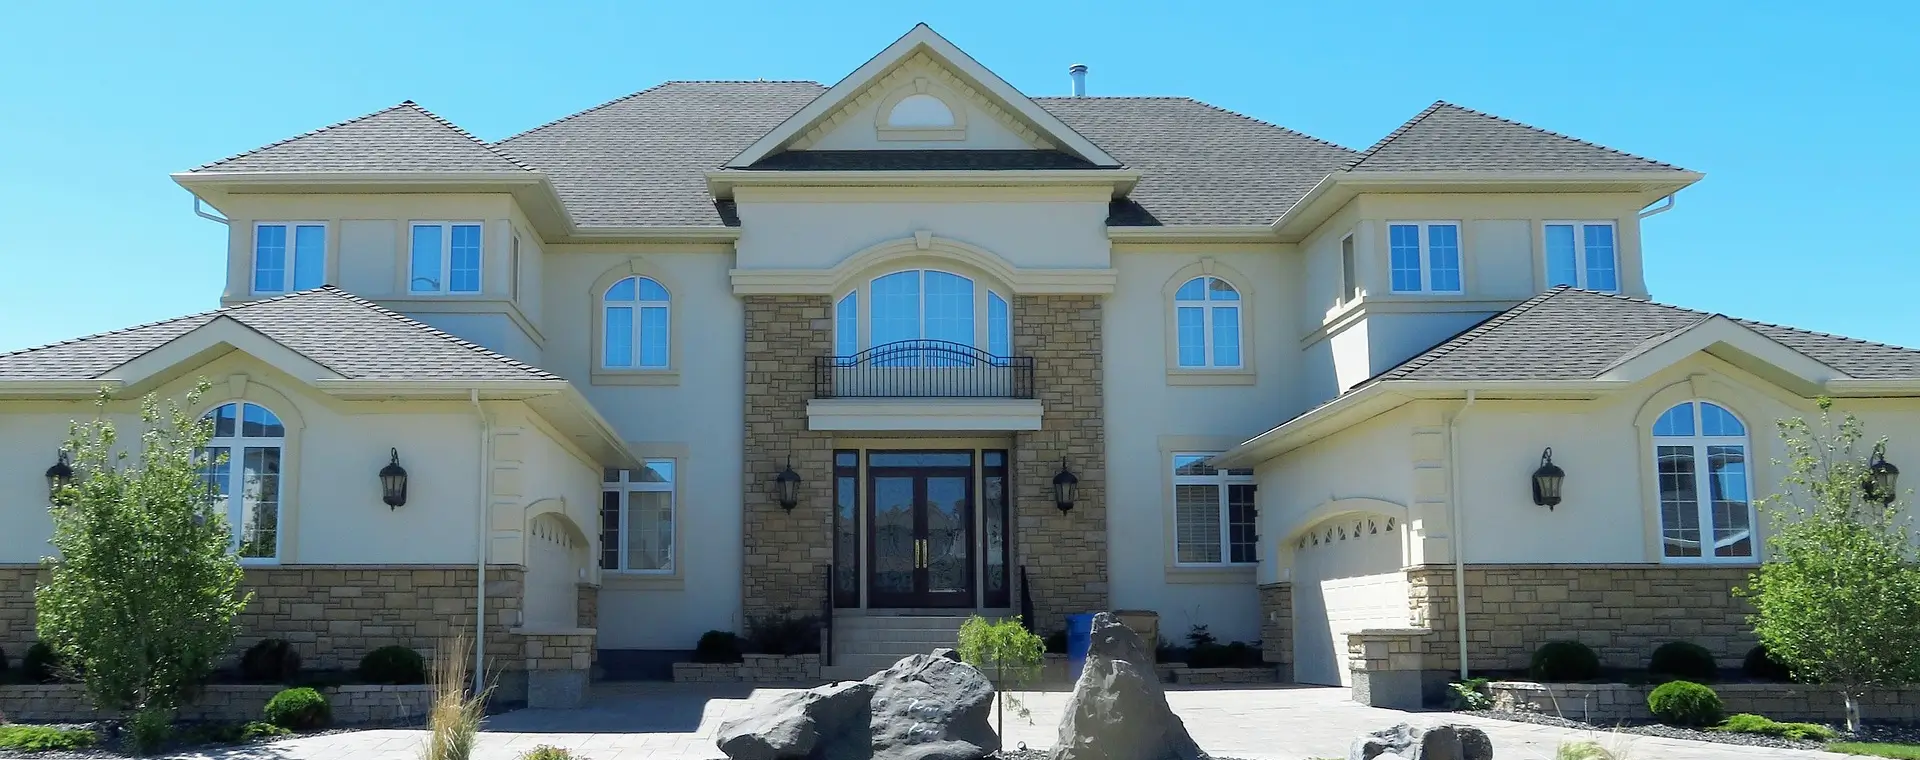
(921,111)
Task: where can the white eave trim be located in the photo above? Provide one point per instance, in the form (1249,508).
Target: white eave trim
(721,182)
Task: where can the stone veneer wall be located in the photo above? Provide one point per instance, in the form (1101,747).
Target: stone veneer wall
(1065,554)
(1622,611)
(785,553)
(587,615)
(16,609)
(1276,626)
(752,668)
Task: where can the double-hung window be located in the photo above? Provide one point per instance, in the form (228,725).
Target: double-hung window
(1582,254)
(241,466)
(1424,257)
(636,519)
(444,257)
(1700,463)
(289,256)
(1215,522)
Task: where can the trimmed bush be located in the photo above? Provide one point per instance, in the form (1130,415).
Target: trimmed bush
(301,709)
(1761,666)
(270,661)
(395,665)
(41,664)
(45,738)
(717,647)
(1683,659)
(784,634)
(1685,703)
(549,752)
(1748,723)
(1562,661)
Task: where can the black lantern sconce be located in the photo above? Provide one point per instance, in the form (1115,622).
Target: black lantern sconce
(393,481)
(1066,488)
(59,474)
(1547,481)
(786,487)
(1882,479)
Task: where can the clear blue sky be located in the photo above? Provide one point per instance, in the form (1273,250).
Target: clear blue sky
(1801,115)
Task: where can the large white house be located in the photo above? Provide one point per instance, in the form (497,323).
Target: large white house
(716,351)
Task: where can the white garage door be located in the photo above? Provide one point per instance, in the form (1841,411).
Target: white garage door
(1347,577)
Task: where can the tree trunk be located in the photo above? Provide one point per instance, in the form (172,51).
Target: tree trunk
(1852,700)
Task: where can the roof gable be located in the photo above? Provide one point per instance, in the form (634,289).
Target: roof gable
(925,60)
(402,138)
(1446,137)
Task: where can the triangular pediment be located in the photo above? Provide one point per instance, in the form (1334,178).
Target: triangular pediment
(922,93)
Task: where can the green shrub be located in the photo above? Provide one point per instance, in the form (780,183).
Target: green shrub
(784,633)
(301,709)
(549,752)
(270,661)
(1561,661)
(1760,665)
(1685,703)
(1057,642)
(45,738)
(1748,723)
(1584,750)
(1684,659)
(41,664)
(393,665)
(717,646)
(149,730)
(1238,654)
(1470,694)
(258,730)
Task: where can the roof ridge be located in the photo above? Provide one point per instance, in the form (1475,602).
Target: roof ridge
(1395,134)
(632,95)
(335,290)
(469,135)
(144,325)
(1439,104)
(308,133)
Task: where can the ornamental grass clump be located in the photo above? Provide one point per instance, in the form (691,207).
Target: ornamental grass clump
(453,722)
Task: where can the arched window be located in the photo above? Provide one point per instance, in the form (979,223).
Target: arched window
(920,111)
(1700,461)
(923,304)
(636,336)
(242,468)
(1207,314)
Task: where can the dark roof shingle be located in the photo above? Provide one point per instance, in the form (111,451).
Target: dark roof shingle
(919,160)
(403,138)
(385,345)
(1446,137)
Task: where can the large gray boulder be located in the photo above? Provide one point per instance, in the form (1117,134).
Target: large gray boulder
(1118,710)
(921,708)
(1443,742)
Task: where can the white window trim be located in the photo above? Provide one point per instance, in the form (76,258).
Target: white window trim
(863,309)
(1221,479)
(625,487)
(1206,307)
(1702,487)
(1426,255)
(1580,251)
(253,254)
(235,447)
(638,303)
(446,257)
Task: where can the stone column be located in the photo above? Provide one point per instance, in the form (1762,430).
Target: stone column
(1065,554)
(785,553)
(557,665)
(1387,666)
(1276,627)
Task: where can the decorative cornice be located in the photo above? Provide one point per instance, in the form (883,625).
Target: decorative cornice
(1023,281)
(901,75)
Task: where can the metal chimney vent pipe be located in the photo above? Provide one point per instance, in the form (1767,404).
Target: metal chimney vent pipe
(1079,73)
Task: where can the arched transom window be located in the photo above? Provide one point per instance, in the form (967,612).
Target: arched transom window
(636,314)
(1207,314)
(922,304)
(242,468)
(920,111)
(1700,462)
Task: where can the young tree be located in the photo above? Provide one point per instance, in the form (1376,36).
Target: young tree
(1008,654)
(142,595)
(1838,600)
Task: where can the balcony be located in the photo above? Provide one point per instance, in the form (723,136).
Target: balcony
(928,385)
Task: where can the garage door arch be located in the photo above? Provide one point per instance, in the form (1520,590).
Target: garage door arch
(1348,572)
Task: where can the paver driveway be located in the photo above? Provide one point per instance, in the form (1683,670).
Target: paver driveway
(677,722)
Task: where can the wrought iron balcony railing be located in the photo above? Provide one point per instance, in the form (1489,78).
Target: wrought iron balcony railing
(923,369)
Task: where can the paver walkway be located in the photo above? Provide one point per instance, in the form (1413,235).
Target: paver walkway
(677,722)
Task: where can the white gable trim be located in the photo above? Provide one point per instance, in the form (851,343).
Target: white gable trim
(202,343)
(1733,342)
(923,38)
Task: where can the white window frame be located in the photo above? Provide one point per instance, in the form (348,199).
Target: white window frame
(863,311)
(626,487)
(1426,255)
(1207,307)
(446,258)
(292,265)
(235,447)
(1221,480)
(1580,251)
(1349,270)
(1700,443)
(639,302)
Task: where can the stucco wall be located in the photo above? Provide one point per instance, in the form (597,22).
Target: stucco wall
(1063,228)
(1498,260)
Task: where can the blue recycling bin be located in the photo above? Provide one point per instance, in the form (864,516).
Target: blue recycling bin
(1079,640)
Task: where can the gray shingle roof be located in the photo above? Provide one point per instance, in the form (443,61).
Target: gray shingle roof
(927,160)
(385,345)
(403,138)
(1446,137)
(1567,334)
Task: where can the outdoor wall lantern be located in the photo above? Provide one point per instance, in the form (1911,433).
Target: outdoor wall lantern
(393,481)
(1882,478)
(1547,480)
(786,487)
(59,474)
(1066,488)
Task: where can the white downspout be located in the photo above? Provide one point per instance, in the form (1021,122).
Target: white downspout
(480,546)
(1459,554)
(1661,209)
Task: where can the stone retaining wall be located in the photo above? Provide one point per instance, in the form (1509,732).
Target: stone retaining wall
(753,668)
(234,703)
(1610,703)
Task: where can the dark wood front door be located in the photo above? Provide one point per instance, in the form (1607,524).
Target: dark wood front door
(920,547)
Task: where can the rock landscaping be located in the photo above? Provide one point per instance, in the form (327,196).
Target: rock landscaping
(1406,742)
